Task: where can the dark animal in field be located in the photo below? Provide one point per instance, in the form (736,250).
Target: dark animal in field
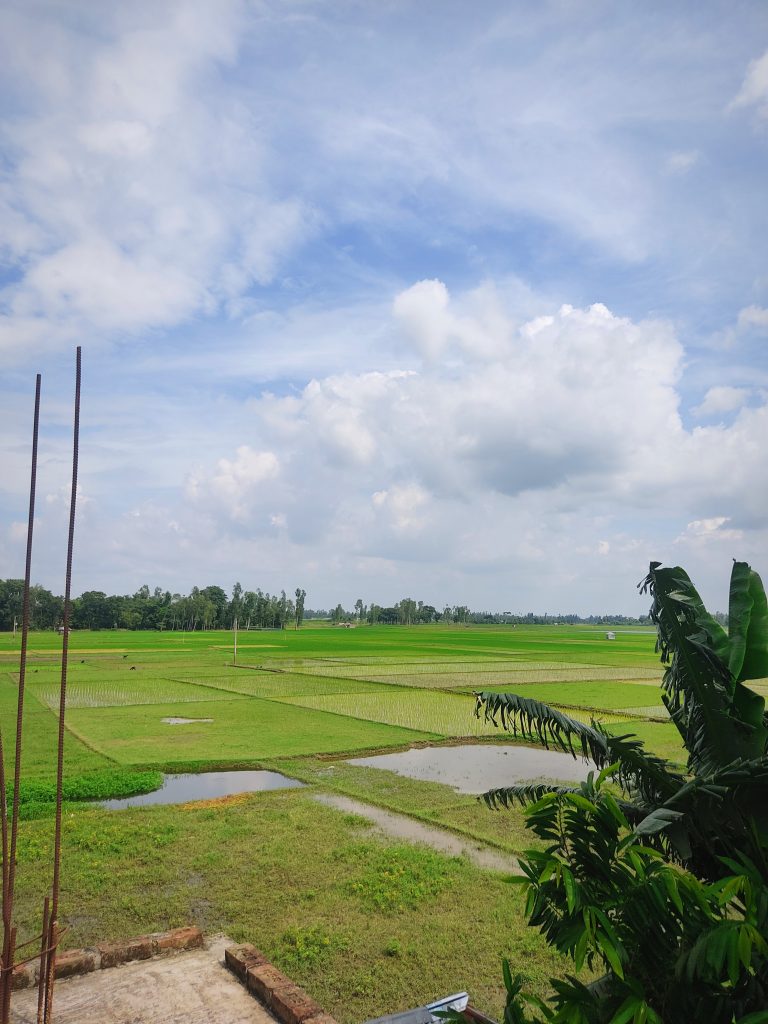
(133,668)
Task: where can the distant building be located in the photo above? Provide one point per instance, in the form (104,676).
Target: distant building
(610,636)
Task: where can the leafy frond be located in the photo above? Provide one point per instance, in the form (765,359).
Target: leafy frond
(719,719)
(524,795)
(532,720)
(637,771)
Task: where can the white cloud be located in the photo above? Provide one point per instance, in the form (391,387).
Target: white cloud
(752,316)
(754,89)
(578,406)
(682,161)
(703,531)
(117,212)
(237,485)
(404,506)
(722,399)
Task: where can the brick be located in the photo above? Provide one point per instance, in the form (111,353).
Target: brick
(240,958)
(76,961)
(22,976)
(140,948)
(264,980)
(179,938)
(292,1005)
(113,953)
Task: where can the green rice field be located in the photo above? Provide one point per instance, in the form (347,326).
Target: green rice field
(340,908)
(319,690)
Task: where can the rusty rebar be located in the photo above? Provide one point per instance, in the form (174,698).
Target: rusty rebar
(9,950)
(50,972)
(41,986)
(3,824)
(51,965)
(4,821)
(23,657)
(9,850)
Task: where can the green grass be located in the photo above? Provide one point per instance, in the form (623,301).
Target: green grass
(366,925)
(587,694)
(39,738)
(240,731)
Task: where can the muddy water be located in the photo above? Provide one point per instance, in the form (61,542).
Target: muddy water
(402,827)
(184,721)
(475,768)
(180,789)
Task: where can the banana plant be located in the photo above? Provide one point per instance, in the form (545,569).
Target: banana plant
(659,872)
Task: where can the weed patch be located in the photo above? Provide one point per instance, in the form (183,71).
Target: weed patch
(396,878)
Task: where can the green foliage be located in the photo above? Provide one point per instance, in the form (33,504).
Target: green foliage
(396,878)
(109,784)
(661,883)
(307,947)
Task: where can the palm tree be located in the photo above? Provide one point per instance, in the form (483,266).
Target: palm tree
(657,873)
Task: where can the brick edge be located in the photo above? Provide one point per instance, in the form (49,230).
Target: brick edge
(111,954)
(286,1001)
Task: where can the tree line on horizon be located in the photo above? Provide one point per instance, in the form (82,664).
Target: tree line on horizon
(211,608)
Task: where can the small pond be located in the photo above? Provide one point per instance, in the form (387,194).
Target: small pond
(180,789)
(477,767)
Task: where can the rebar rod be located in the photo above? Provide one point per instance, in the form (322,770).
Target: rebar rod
(8,910)
(51,967)
(9,849)
(50,972)
(9,950)
(41,985)
(3,824)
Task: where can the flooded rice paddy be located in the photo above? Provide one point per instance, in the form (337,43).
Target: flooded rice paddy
(477,767)
(181,789)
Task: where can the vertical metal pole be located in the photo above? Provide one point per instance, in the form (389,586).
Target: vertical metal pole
(9,950)
(9,854)
(234,656)
(51,971)
(44,943)
(4,825)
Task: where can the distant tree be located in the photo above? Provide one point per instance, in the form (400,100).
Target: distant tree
(374,613)
(235,610)
(359,609)
(300,595)
(216,613)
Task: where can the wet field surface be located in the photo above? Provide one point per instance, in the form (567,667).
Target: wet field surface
(181,789)
(475,768)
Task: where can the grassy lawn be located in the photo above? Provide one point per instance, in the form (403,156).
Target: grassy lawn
(247,729)
(368,925)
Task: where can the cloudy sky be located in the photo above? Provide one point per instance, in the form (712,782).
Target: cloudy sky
(462,302)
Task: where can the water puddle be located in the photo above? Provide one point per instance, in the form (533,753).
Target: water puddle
(399,826)
(184,721)
(477,767)
(180,789)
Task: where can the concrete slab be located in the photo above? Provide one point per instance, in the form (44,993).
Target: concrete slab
(192,987)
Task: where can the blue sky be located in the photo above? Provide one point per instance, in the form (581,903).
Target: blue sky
(468,304)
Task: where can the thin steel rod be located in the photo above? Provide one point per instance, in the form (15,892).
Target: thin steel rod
(3,824)
(9,950)
(8,909)
(4,818)
(41,986)
(50,973)
(63,694)
(9,850)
